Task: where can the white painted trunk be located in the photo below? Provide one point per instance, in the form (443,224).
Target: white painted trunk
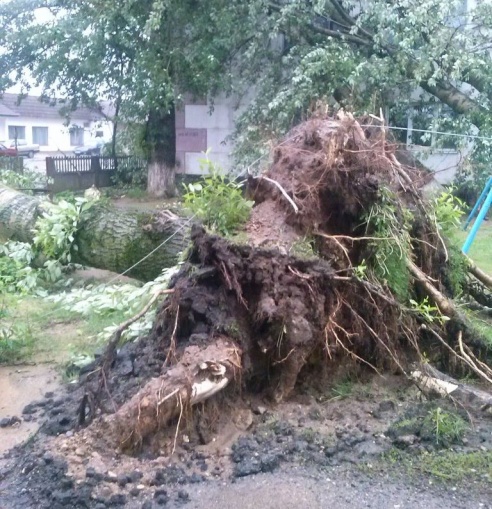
(161,180)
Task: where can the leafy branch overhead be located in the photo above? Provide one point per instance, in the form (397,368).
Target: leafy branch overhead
(144,55)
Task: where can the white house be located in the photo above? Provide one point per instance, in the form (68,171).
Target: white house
(41,123)
(201,127)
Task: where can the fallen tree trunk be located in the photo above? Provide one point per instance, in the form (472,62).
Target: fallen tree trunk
(200,373)
(111,239)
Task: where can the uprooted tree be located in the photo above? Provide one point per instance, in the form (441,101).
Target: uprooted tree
(343,259)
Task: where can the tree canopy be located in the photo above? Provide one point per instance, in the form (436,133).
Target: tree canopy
(144,54)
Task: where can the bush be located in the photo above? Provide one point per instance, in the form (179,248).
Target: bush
(218,202)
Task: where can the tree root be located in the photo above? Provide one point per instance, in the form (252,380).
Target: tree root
(199,374)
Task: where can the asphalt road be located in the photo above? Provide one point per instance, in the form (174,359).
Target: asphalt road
(347,489)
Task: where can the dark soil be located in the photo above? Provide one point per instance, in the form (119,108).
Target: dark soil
(345,440)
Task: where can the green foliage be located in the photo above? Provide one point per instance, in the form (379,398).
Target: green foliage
(447,428)
(360,271)
(17,273)
(218,202)
(427,312)
(456,270)
(56,229)
(16,339)
(24,268)
(138,54)
(115,300)
(448,210)
(26,180)
(391,248)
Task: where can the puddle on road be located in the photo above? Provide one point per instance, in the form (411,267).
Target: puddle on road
(20,385)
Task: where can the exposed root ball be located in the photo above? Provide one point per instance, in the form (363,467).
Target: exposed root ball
(342,252)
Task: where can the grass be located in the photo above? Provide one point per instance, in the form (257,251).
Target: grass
(342,390)
(446,466)
(482,326)
(53,333)
(481,249)
(16,339)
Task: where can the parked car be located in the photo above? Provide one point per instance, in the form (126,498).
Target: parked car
(7,151)
(91,149)
(23,148)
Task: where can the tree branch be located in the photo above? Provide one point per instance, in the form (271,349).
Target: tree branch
(453,97)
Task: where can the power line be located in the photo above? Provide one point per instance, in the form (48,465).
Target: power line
(182,227)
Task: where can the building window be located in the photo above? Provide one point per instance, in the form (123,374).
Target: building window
(76,136)
(17,132)
(40,135)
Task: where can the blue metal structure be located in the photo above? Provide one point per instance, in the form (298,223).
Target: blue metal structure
(483,203)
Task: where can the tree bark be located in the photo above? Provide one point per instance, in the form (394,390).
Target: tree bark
(161,140)
(111,239)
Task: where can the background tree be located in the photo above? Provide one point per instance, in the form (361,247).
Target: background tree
(140,55)
(378,54)
(143,55)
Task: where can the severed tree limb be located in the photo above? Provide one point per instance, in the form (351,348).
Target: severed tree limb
(480,368)
(447,307)
(443,303)
(200,373)
(432,382)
